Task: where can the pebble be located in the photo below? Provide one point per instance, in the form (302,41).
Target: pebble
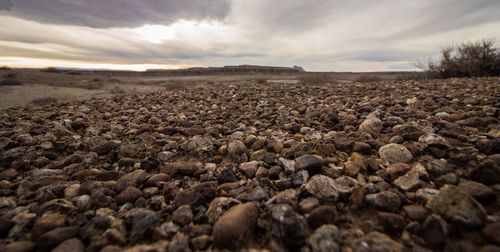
(323,188)
(236,226)
(395,153)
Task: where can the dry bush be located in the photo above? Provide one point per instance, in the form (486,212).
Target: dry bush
(411,76)
(5,68)
(470,59)
(316,78)
(51,70)
(10,82)
(44,100)
(367,78)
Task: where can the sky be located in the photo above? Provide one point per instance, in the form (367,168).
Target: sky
(319,35)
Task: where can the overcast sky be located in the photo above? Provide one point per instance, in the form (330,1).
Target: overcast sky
(320,35)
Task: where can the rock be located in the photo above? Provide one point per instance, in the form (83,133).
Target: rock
(19,246)
(200,242)
(133,179)
(435,231)
(433,140)
(249,168)
(361,147)
(397,169)
(376,241)
(178,244)
(142,223)
(409,181)
(487,172)
(182,215)
(47,223)
(197,195)
(289,227)
(156,179)
(288,165)
(395,153)
(309,163)
(322,215)
(371,125)
(323,188)
(387,200)
(236,148)
(5,226)
(227,175)
(131,194)
(73,245)
(479,191)
(392,223)
(325,239)
(457,206)
(106,147)
(51,239)
(300,177)
(185,168)
(490,232)
(218,206)
(235,227)
(261,172)
(416,212)
(150,163)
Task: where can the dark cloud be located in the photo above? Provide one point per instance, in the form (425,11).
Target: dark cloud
(115,13)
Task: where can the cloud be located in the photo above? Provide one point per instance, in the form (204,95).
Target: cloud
(115,13)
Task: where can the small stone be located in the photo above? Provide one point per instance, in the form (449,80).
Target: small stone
(226,176)
(73,245)
(133,179)
(456,205)
(200,242)
(371,125)
(434,231)
(236,148)
(19,246)
(487,172)
(179,243)
(387,200)
(5,226)
(182,215)
(261,172)
(376,241)
(236,226)
(491,232)
(142,222)
(199,194)
(249,168)
(325,239)
(416,212)
(47,223)
(300,177)
(131,194)
(308,162)
(361,147)
(51,239)
(218,206)
(185,168)
(274,172)
(308,204)
(409,181)
(322,215)
(392,223)
(323,188)
(395,153)
(397,169)
(156,179)
(106,147)
(150,163)
(479,191)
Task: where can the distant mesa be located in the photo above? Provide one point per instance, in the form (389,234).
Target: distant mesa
(241,69)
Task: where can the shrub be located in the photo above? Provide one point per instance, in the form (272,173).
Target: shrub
(10,75)
(316,78)
(51,70)
(470,59)
(10,82)
(5,68)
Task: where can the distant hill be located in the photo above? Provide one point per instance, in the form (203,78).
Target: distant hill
(241,69)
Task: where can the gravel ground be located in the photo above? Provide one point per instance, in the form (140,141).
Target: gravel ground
(388,166)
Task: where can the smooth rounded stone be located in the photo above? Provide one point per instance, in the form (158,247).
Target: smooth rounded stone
(431,139)
(236,226)
(489,147)
(322,215)
(376,241)
(236,148)
(199,194)
(487,172)
(308,162)
(46,223)
(416,212)
(256,194)
(179,243)
(73,245)
(325,239)
(227,175)
(324,188)
(434,231)
(480,192)
(387,200)
(395,153)
(132,179)
(249,168)
(156,179)
(308,204)
(150,163)
(426,194)
(200,242)
(391,222)
(130,194)
(19,246)
(361,147)
(261,172)
(83,202)
(491,232)
(51,239)
(397,169)
(142,222)
(9,174)
(449,178)
(408,182)
(218,206)
(106,147)
(46,172)
(371,125)
(185,168)
(182,215)
(274,172)
(5,226)
(351,168)
(457,206)
(346,185)
(46,145)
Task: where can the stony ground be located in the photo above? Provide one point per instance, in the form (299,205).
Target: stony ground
(394,166)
